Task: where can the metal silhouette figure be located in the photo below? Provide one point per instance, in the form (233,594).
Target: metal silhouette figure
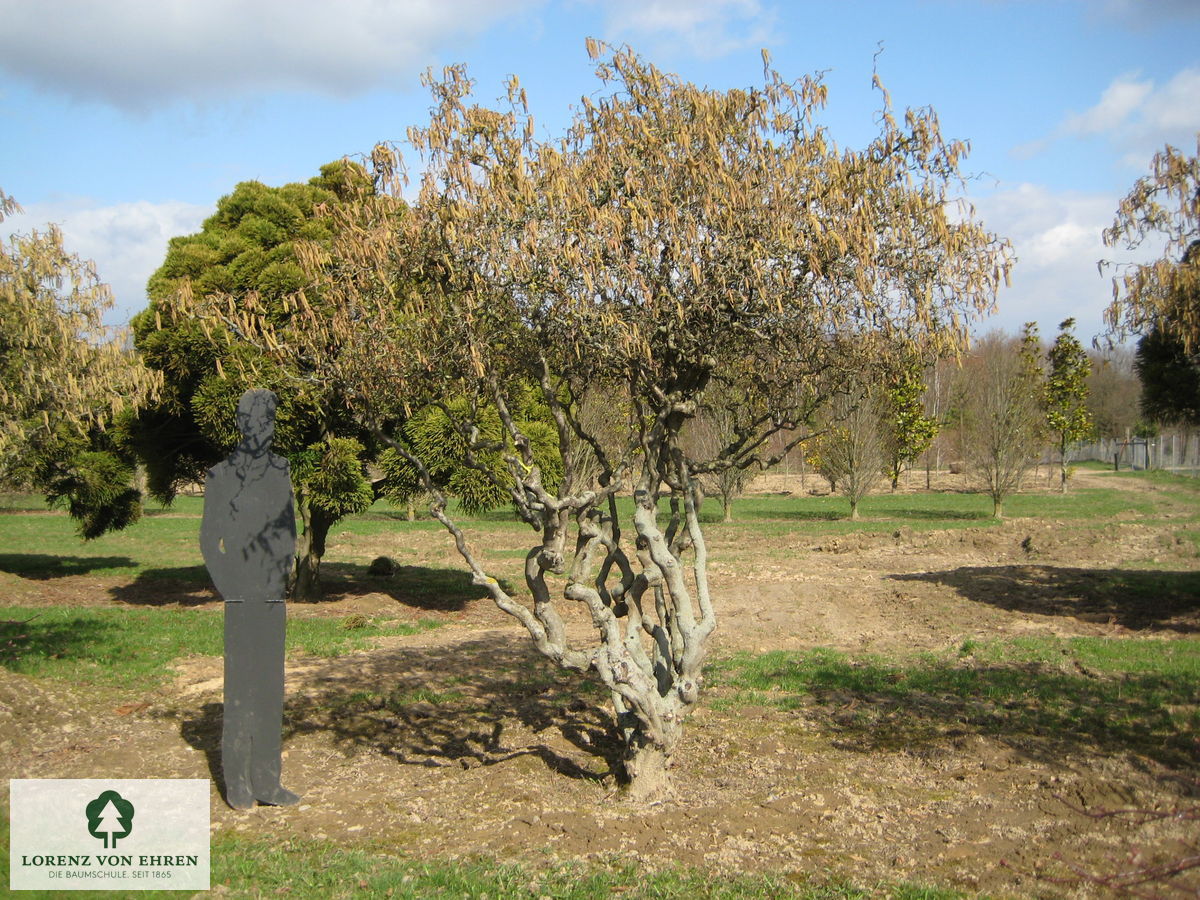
(248,539)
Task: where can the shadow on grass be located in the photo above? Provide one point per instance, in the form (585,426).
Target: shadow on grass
(41,566)
(504,515)
(955,515)
(416,587)
(802,515)
(841,513)
(1038,709)
(419,587)
(27,641)
(182,585)
(448,707)
(1140,599)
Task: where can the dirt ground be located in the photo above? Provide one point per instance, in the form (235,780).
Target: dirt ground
(461,741)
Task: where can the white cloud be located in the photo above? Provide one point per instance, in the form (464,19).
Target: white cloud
(135,54)
(1171,114)
(1119,100)
(708,28)
(1137,117)
(127,241)
(1059,242)
(1056,236)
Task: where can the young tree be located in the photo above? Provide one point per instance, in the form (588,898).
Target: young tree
(1067,394)
(64,378)
(717,423)
(1164,294)
(676,239)
(906,429)
(937,405)
(1001,419)
(850,449)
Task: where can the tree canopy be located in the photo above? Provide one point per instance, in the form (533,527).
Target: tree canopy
(1164,294)
(64,377)
(248,248)
(673,240)
(1170,380)
(1113,392)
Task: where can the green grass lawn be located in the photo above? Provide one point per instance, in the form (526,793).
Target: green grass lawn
(1166,480)
(164,542)
(134,648)
(775,515)
(1111,694)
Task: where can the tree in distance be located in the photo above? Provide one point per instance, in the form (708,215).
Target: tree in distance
(1000,412)
(65,377)
(674,241)
(1066,395)
(907,430)
(849,449)
(720,418)
(1113,392)
(938,379)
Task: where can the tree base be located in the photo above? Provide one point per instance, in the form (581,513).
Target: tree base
(306,587)
(648,772)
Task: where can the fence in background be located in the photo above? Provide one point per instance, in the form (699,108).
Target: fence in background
(1174,452)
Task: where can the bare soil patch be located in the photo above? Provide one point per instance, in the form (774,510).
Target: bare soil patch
(461,740)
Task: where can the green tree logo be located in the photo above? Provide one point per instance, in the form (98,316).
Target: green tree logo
(110,816)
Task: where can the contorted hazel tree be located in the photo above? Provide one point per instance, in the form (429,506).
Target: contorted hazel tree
(675,239)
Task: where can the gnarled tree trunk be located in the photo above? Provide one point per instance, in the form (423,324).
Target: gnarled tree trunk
(652,624)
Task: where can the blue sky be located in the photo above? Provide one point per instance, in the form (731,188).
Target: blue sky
(125,120)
